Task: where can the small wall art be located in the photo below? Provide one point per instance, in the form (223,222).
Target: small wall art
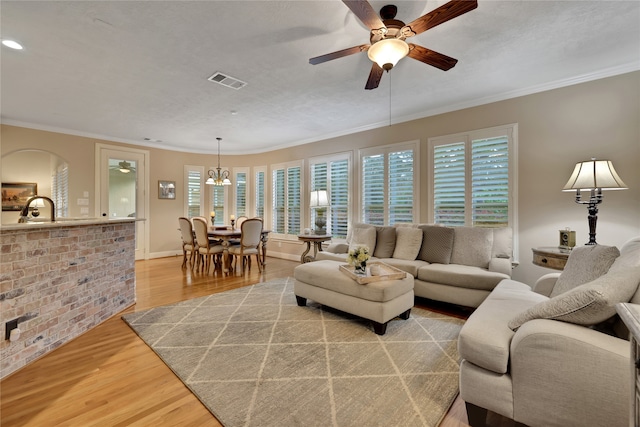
(16,194)
(166,189)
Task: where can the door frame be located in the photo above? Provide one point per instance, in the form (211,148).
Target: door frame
(100,173)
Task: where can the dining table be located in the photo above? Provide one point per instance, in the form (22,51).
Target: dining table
(227,234)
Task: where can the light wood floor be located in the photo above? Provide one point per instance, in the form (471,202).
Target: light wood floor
(109,377)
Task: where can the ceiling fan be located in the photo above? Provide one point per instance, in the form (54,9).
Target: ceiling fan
(388,36)
(123,166)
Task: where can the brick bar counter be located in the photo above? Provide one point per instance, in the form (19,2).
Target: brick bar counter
(61,279)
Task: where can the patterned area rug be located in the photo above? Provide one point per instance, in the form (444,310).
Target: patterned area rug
(254,358)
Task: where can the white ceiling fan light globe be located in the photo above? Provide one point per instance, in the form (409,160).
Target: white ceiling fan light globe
(388,51)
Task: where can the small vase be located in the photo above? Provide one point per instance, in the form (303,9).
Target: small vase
(361,268)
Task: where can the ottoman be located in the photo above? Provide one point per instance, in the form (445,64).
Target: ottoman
(323,282)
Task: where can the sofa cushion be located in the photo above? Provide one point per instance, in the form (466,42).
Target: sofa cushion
(385,241)
(437,244)
(461,276)
(585,264)
(472,246)
(408,266)
(408,243)
(363,236)
(485,338)
(587,304)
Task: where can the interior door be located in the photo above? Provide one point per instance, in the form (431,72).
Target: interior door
(122,187)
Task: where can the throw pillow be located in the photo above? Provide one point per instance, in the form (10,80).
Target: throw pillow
(472,246)
(408,243)
(629,255)
(585,264)
(437,244)
(353,226)
(587,304)
(363,236)
(385,242)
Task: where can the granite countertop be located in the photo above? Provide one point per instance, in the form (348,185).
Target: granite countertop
(66,222)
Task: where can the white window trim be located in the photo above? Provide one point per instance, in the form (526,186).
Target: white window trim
(511,130)
(304,199)
(386,149)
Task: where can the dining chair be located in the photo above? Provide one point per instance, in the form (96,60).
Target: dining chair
(251,233)
(188,243)
(240,220)
(206,249)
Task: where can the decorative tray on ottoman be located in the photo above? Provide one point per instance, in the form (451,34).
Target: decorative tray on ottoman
(383,272)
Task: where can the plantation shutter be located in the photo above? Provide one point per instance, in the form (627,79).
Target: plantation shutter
(373,189)
(490,182)
(241,194)
(339,195)
(260,194)
(194,193)
(278,201)
(60,190)
(318,182)
(218,204)
(449,184)
(293,200)
(400,186)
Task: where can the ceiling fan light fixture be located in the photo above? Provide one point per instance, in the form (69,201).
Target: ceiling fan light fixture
(125,167)
(387,52)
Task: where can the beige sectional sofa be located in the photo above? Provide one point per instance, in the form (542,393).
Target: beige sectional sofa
(555,354)
(459,265)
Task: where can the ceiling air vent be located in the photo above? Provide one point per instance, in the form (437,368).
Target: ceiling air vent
(228,81)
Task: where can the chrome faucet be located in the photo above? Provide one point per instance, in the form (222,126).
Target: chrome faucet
(24,213)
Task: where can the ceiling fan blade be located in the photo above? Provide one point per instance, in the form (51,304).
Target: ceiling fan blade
(338,54)
(437,16)
(431,57)
(363,10)
(374,77)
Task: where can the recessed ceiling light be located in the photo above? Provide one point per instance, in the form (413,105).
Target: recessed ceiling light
(12,44)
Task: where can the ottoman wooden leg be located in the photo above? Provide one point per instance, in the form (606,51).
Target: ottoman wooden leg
(380,328)
(301,301)
(405,315)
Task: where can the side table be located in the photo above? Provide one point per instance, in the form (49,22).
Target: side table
(550,257)
(316,240)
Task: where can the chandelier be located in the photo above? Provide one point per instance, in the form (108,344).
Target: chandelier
(218,177)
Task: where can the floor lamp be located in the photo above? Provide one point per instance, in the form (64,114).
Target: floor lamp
(593,176)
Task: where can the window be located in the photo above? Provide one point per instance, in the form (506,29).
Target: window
(333,174)
(218,201)
(193,178)
(388,186)
(286,194)
(241,202)
(260,191)
(60,190)
(474,178)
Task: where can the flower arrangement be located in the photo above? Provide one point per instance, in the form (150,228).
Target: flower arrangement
(358,257)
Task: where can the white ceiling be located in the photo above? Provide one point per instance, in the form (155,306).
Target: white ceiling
(130,70)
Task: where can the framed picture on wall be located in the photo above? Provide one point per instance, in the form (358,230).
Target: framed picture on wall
(166,189)
(16,194)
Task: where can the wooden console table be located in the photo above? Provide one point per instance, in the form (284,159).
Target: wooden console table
(314,239)
(550,257)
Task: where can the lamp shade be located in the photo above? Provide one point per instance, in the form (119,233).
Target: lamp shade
(594,174)
(388,51)
(319,199)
